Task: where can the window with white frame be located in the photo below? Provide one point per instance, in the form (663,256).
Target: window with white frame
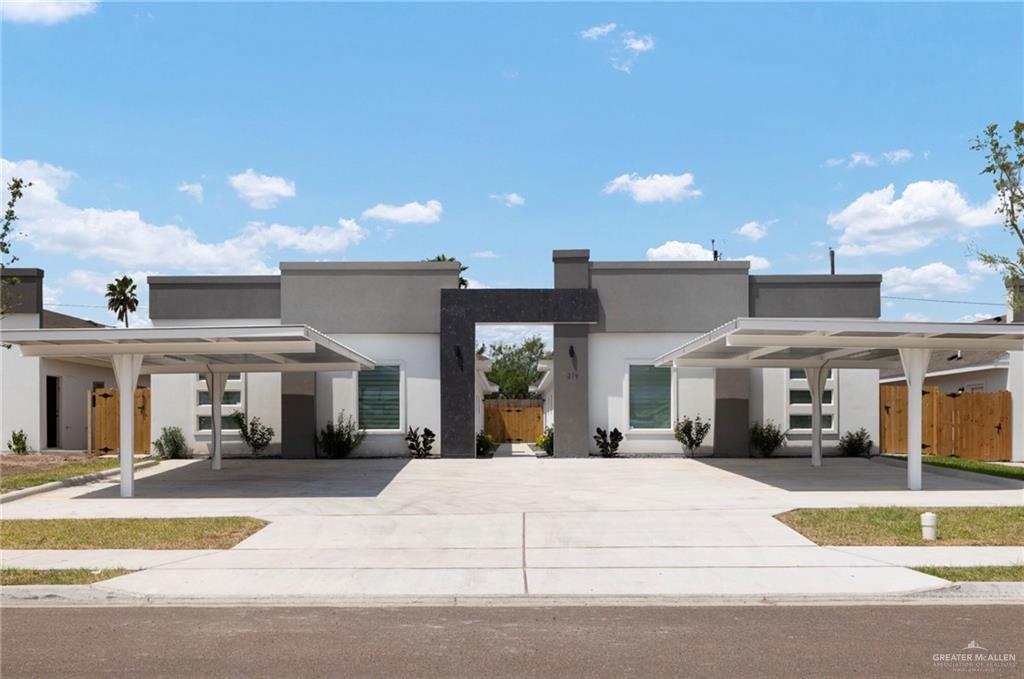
(232,401)
(799,401)
(649,397)
(380,398)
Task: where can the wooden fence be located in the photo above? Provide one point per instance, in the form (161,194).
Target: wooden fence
(514,421)
(105,421)
(974,426)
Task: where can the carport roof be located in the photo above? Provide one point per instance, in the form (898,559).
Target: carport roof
(839,343)
(217,349)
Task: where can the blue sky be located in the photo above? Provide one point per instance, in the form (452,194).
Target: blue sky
(224,138)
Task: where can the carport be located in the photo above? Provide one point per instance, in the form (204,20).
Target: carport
(212,352)
(817,345)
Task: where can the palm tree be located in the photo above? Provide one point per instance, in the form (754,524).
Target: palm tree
(463,283)
(121,298)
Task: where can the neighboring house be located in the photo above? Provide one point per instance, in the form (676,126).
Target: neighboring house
(963,371)
(611,320)
(544,388)
(44,397)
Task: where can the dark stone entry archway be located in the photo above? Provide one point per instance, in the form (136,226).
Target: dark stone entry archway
(571,310)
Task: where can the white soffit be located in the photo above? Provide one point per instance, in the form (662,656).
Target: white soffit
(837,342)
(272,348)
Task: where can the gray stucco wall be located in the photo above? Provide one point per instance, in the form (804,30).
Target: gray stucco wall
(25,296)
(816,296)
(366,297)
(178,297)
(669,296)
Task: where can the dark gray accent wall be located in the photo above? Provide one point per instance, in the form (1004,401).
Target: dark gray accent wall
(571,390)
(298,414)
(25,296)
(186,297)
(816,296)
(669,296)
(732,412)
(366,297)
(461,310)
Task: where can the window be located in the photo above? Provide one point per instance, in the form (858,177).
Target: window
(231,376)
(650,397)
(227,423)
(380,398)
(231,397)
(799,401)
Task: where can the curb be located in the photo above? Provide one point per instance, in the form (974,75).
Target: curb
(73,481)
(963,474)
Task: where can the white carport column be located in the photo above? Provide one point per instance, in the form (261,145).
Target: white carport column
(215,385)
(126,373)
(816,385)
(1017,405)
(915,367)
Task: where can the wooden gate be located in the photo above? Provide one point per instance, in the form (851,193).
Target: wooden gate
(514,421)
(105,419)
(975,426)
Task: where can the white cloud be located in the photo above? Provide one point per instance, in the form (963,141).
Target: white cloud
(975,317)
(880,223)
(595,32)
(755,231)
(897,156)
(45,12)
(513,334)
(631,42)
(509,199)
(859,158)
(835,162)
(261,191)
(926,280)
(125,239)
(484,254)
(757,263)
(915,317)
(194,189)
(980,268)
(676,250)
(410,213)
(654,188)
(474,284)
(51,295)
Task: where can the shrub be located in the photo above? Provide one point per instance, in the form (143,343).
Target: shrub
(255,434)
(171,444)
(546,441)
(766,438)
(856,443)
(485,445)
(19,442)
(691,433)
(339,440)
(607,443)
(420,444)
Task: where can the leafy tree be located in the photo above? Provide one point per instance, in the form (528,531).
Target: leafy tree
(1005,162)
(121,298)
(463,283)
(15,188)
(514,367)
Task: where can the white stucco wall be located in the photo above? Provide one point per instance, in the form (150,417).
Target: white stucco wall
(75,384)
(21,386)
(417,354)
(609,359)
(994,379)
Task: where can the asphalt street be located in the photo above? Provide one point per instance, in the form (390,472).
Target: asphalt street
(757,641)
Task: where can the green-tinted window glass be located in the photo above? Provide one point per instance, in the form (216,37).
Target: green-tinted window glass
(379,397)
(804,421)
(227,423)
(803,396)
(800,374)
(650,397)
(228,398)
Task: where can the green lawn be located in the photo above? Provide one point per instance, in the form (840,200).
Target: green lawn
(222,532)
(976,573)
(902,525)
(1006,471)
(68,576)
(15,481)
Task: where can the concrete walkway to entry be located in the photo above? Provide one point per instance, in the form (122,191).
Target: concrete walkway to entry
(516,526)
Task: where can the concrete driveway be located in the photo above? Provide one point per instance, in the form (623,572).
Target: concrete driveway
(516,526)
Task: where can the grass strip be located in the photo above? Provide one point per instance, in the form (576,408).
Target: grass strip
(976,573)
(63,576)
(222,532)
(978,466)
(16,481)
(993,526)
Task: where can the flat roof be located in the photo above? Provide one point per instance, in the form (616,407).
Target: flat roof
(267,348)
(836,342)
